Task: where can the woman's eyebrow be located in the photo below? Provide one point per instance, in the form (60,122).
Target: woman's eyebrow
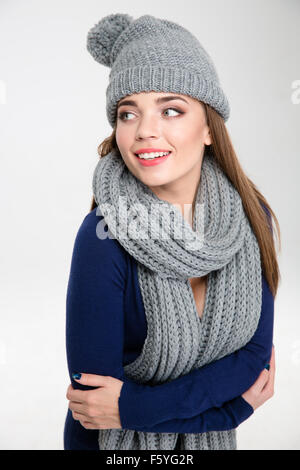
(162,99)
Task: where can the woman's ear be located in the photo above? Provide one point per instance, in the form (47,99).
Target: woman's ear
(207,139)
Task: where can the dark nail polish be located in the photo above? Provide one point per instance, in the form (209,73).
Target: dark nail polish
(267,366)
(76,375)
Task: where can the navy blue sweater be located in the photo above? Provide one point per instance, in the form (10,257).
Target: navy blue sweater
(105,329)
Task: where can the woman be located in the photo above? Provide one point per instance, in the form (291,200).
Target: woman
(172,334)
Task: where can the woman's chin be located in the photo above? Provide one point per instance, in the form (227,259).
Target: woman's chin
(154,180)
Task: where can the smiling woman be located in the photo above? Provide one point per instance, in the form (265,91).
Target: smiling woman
(191,324)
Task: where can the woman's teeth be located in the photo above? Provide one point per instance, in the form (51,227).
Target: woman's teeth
(150,156)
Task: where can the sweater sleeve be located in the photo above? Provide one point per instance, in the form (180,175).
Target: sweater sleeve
(95,304)
(211,386)
(228,416)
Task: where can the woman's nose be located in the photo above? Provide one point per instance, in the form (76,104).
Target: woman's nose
(147,127)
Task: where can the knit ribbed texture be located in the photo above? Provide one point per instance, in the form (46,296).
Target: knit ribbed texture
(152,54)
(178,340)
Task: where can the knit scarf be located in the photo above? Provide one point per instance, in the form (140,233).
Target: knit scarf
(220,243)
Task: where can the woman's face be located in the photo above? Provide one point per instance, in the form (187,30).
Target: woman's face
(152,121)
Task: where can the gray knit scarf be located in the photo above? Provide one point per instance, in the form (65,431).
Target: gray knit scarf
(178,340)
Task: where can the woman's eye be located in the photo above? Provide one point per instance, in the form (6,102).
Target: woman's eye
(123,114)
(174,109)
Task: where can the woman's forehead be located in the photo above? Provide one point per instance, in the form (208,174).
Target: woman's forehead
(155,97)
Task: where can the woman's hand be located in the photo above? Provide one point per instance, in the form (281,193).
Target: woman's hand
(263,387)
(98,408)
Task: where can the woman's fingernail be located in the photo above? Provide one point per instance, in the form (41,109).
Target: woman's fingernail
(76,375)
(267,366)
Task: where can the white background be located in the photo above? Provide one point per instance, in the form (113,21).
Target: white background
(52,118)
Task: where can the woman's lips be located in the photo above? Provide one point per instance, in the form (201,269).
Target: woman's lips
(153,161)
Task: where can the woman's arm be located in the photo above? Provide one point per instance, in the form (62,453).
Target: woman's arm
(95,304)
(228,416)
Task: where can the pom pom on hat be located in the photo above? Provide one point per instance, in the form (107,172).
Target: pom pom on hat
(102,37)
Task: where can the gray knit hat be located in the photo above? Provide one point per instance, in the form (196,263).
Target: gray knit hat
(152,54)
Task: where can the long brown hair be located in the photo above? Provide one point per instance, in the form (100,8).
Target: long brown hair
(222,150)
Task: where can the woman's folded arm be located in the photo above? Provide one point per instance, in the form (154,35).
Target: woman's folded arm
(228,416)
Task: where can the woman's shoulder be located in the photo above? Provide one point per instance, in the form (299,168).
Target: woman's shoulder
(93,241)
